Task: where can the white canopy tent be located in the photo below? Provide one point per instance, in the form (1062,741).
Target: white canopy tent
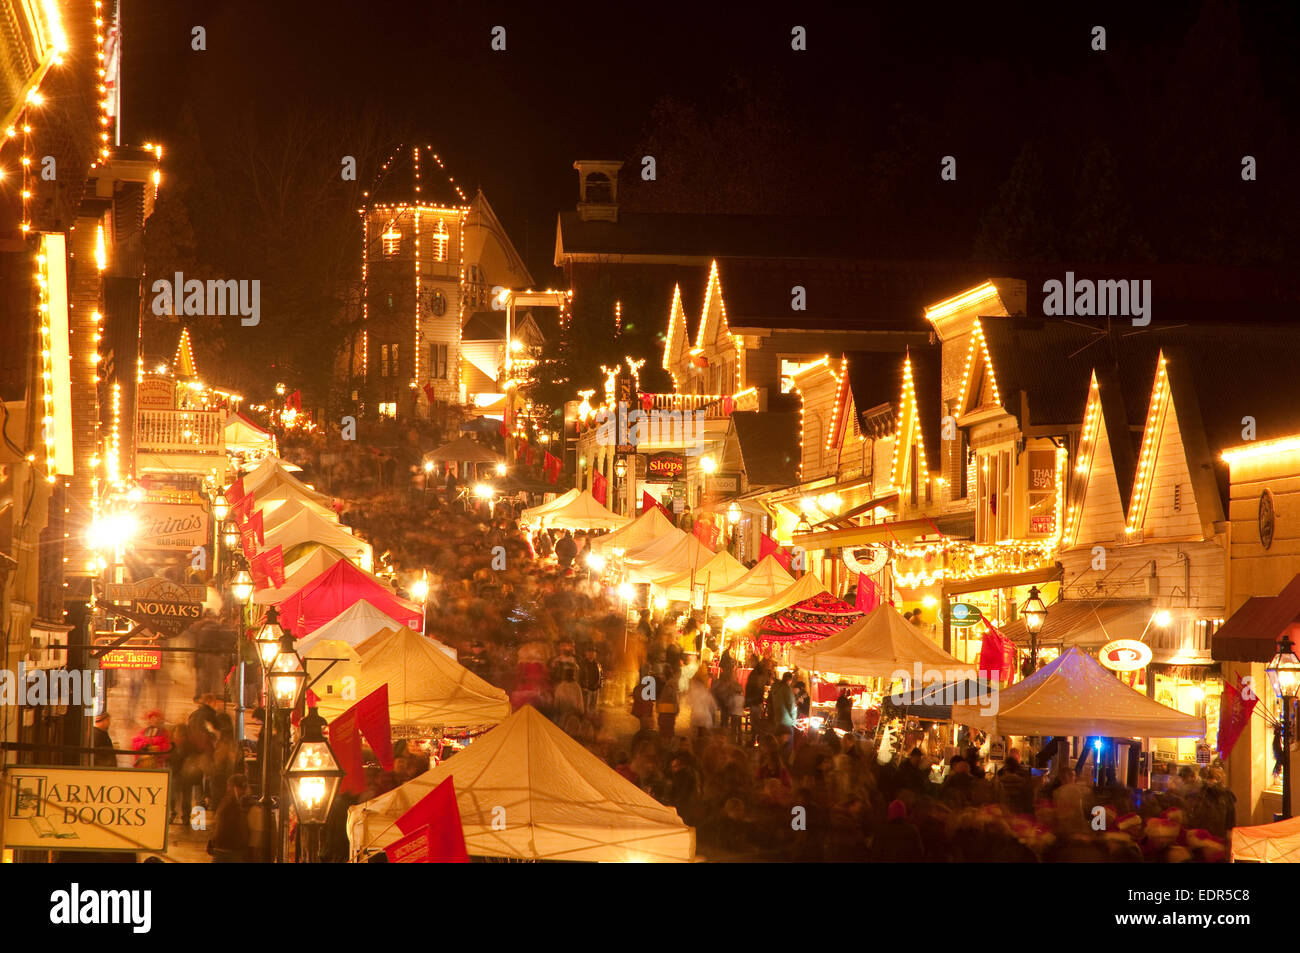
(673,555)
(722,570)
(649,526)
(805,587)
(1074,695)
(767,579)
(271,473)
(533,514)
(298,573)
(310,527)
(426,687)
(356,624)
(1277,843)
(558,801)
(882,644)
(582,512)
(280,504)
(244,436)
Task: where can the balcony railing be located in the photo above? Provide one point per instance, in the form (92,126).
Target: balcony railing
(179,431)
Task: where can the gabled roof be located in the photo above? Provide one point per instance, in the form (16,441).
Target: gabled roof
(416,174)
(925,371)
(769,446)
(1049,361)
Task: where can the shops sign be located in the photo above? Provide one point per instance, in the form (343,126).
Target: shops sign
(1124,655)
(665,467)
(962,614)
(49,808)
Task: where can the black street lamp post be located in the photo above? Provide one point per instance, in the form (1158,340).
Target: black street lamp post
(1284,675)
(1035,614)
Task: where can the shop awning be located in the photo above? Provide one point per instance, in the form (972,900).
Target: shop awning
(1088,622)
(901,530)
(1253,631)
(861,508)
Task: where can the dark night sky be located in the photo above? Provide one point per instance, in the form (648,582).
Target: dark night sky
(580,80)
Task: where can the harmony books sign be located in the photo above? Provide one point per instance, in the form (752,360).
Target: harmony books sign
(57,808)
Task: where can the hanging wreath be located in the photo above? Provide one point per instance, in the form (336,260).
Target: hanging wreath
(866,559)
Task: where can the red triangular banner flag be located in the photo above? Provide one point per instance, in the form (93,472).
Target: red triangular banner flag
(345,739)
(438,810)
(551,467)
(599,487)
(235,492)
(256,522)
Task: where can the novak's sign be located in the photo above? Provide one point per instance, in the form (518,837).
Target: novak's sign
(165,606)
(56,808)
(665,467)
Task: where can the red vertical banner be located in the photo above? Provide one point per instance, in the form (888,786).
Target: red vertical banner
(372,719)
(235,492)
(1234,715)
(551,467)
(257,521)
(345,739)
(600,488)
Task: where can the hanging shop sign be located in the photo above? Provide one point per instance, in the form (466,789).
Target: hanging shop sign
(665,467)
(132,659)
(962,614)
(170,526)
(725,483)
(162,605)
(1124,655)
(57,808)
(156,393)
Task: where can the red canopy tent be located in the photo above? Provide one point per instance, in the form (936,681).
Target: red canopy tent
(814,618)
(336,590)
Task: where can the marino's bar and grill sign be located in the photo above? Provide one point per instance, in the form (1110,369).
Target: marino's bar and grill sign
(57,808)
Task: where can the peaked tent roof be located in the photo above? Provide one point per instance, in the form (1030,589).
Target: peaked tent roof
(805,587)
(1075,695)
(533,512)
(880,645)
(335,590)
(426,687)
(298,573)
(767,579)
(271,473)
(560,802)
(646,528)
(307,526)
(241,434)
(681,554)
(354,625)
(722,570)
(283,503)
(465,449)
(583,512)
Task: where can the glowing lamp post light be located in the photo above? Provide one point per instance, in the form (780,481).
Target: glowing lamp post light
(313,774)
(241,587)
(268,639)
(1035,614)
(286,679)
(1284,675)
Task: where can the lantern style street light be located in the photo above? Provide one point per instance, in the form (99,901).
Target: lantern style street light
(287,676)
(1035,615)
(231,535)
(620,467)
(313,774)
(220,507)
(268,639)
(1284,675)
(241,586)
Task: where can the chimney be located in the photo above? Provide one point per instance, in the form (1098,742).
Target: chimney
(598,189)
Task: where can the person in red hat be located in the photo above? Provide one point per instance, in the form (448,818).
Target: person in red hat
(152,741)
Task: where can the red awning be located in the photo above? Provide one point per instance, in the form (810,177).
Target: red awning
(1252,634)
(814,618)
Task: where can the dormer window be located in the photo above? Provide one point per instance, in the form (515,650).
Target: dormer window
(599,190)
(392,242)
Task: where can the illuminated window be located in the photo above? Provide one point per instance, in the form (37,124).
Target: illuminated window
(438,362)
(388,360)
(440,239)
(392,242)
(388,409)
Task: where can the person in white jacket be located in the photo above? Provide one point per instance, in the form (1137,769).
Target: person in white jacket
(703,705)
